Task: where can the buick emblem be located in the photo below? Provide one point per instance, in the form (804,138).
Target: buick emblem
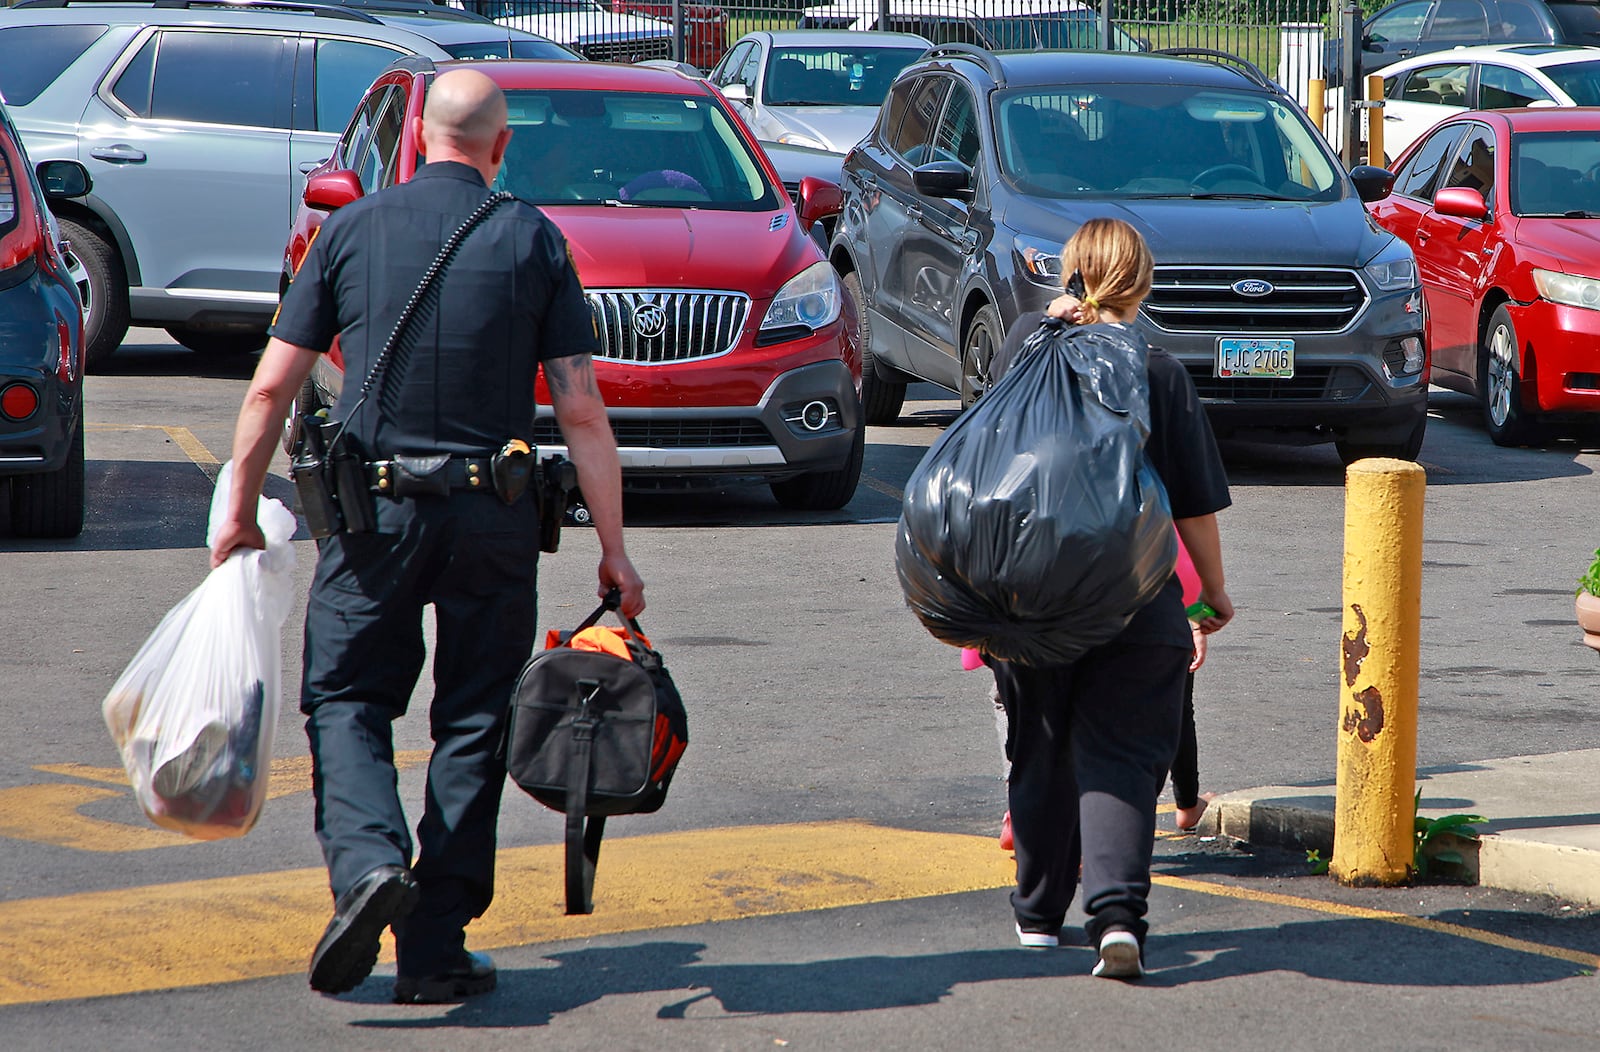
(650,320)
(1253,287)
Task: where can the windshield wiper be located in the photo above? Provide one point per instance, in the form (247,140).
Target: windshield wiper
(1580,213)
(1204,195)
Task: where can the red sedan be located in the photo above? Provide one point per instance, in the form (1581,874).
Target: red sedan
(1503,212)
(728,350)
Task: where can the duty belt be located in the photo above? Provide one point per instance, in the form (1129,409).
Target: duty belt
(438,475)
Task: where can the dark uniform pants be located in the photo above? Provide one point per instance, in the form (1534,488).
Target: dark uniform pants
(475,560)
(1090,747)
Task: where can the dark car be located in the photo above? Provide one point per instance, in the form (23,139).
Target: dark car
(1297,317)
(1415,27)
(41,348)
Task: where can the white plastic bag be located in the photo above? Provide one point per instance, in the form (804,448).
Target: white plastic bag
(195,711)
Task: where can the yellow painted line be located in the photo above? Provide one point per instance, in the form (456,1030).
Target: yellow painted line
(181,437)
(264,924)
(1504,942)
(881,487)
(50,813)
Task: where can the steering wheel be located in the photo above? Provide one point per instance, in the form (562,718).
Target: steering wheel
(670,180)
(1217,171)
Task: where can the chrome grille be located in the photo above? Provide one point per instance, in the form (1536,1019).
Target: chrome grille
(698,324)
(670,433)
(1203,299)
(632,49)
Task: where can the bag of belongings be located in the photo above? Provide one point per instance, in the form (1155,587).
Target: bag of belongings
(194,713)
(1035,527)
(596,728)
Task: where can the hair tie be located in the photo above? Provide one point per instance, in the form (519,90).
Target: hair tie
(1090,303)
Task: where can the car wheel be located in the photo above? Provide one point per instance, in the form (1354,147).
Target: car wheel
(1353,449)
(307,401)
(51,505)
(977,354)
(1508,421)
(825,490)
(103,286)
(880,399)
(204,342)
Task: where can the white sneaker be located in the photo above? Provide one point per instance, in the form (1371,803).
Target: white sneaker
(1120,956)
(1038,939)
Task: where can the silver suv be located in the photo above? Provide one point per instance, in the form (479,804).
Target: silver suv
(197,122)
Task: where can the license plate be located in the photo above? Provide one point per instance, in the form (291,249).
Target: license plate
(1239,357)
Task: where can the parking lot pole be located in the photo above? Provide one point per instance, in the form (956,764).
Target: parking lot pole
(1105,25)
(1350,72)
(678,48)
(1375,119)
(1379,665)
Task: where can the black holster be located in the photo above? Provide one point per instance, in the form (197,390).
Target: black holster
(328,475)
(557,478)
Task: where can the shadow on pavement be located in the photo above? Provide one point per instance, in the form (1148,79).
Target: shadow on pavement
(171,359)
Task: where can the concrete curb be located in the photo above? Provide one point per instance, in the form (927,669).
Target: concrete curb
(1299,818)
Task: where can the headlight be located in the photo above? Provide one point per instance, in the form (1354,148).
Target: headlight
(1567,289)
(1040,260)
(1394,268)
(790,138)
(810,298)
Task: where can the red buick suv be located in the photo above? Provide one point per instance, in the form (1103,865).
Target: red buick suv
(728,347)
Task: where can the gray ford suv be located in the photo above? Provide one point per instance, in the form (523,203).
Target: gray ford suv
(197,121)
(1299,319)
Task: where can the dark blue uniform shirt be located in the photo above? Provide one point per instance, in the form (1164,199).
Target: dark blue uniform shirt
(510,299)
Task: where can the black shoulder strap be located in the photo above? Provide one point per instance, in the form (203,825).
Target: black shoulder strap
(583,844)
(429,277)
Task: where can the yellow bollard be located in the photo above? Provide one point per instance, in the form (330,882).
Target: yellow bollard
(1373,839)
(1316,101)
(1375,120)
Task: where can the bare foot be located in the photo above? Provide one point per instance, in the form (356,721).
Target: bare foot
(1189,817)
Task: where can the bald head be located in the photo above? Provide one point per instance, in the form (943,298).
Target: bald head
(464,118)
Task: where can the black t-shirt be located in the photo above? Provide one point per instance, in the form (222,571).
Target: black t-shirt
(509,300)
(1183,452)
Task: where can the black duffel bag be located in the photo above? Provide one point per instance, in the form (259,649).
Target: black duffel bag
(592,733)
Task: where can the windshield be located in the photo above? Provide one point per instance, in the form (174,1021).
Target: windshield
(1065,30)
(1555,174)
(509,49)
(629,148)
(819,76)
(1580,80)
(1151,140)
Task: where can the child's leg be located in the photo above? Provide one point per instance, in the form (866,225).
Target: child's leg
(1186,765)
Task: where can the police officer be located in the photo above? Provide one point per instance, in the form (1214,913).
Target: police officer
(509,302)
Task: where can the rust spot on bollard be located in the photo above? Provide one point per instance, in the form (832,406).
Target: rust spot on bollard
(1355,648)
(1369,724)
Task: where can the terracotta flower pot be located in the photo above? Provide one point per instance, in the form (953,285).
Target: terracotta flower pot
(1589,618)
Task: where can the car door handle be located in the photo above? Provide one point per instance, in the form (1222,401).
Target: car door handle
(307,167)
(120,153)
(914,211)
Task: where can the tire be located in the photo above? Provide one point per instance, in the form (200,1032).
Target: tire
(103,286)
(1352,450)
(824,490)
(1505,415)
(880,399)
(307,401)
(203,342)
(51,505)
(984,337)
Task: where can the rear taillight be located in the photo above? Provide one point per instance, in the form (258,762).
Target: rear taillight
(18,401)
(21,228)
(66,368)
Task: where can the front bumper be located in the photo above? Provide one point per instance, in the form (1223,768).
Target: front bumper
(1565,346)
(678,447)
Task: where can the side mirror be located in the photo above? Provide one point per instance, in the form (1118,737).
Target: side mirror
(942,179)
(818,200)
(1461,202)
(1372,183)
(64,178)
(736,91)
(332,190)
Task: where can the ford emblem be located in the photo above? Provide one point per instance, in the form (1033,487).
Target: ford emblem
(1253,287)
(650,320)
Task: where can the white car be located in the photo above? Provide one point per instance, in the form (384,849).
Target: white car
(1423,90)
(999,25)
(582,25)
(813,87)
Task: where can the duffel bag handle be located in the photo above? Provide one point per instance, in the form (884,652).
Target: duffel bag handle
(613,602)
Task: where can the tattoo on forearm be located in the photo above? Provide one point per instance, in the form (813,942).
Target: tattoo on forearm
(571,375)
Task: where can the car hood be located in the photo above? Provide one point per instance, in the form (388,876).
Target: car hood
(683,248)
(836,127)
(1573,245)
(1226,233)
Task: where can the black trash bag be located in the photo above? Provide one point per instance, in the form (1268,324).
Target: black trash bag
(1035,527)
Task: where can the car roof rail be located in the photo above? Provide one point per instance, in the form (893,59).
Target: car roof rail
(319,10)
(1248,68)
(972,53)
